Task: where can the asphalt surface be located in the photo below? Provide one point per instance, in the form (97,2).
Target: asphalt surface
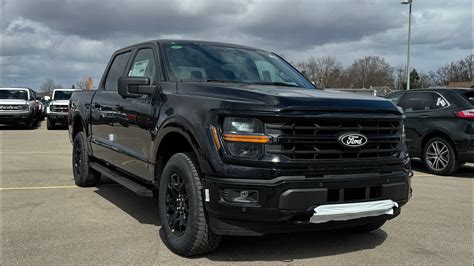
(45,219)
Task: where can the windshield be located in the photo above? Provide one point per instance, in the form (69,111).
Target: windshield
(212,63)
(62,95)
(14,94)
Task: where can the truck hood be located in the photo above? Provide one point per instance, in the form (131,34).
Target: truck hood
(12,102)
(288,98)
(60,102)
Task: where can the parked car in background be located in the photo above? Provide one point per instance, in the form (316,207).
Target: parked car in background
(439,126)
(235,141)
(18,106)
(58,107)
(45,101)
(39,109)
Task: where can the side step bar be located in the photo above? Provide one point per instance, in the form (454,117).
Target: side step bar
(124,181)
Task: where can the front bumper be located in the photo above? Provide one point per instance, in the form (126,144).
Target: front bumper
(287,203)
(58,117)
(15,117)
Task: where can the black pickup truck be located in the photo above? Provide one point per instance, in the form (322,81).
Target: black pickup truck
(235,141)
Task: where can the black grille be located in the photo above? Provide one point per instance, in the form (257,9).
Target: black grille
(59,108)
(317,139)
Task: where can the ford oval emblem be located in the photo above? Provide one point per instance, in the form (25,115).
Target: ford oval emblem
(352,140)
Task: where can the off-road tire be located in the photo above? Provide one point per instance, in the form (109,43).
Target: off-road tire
(49,124)
(84,176)
(197,238)
(30,124)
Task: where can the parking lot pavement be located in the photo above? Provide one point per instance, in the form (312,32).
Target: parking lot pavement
(47,220)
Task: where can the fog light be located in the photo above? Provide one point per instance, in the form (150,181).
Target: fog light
(239,196)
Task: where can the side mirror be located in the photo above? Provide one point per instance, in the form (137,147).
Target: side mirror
(133,87)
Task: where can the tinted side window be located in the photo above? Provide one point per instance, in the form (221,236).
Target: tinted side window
(144,65)
(423,101)
(469,96)
(116,71)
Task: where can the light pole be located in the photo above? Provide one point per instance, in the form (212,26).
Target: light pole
(409,3)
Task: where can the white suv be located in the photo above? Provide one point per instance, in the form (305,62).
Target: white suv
(57,110)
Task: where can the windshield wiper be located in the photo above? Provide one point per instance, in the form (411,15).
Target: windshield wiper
(275,83)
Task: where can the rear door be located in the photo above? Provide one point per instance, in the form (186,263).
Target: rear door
(425,111)
(105,111)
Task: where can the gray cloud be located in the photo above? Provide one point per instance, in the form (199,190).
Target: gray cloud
(71,40)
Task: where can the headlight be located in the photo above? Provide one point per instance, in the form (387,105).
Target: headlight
(244,137)
(25,107)
(243,125)
(52,108)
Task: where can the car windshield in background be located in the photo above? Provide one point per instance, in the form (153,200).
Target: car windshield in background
(14,94)
(213,63)
(62,95)
(469,96)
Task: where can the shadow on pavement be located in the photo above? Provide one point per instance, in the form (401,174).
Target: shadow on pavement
(276,247)
(16,127)
(144,210)
(466,171)
(287,247)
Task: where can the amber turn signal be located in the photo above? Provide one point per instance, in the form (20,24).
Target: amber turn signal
(215,137)
(246,138)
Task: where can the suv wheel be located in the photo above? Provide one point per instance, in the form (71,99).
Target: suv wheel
(439,156)
(49,124)
(84,176)
(184,224)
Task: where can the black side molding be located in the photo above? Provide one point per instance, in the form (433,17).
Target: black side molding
(123,180)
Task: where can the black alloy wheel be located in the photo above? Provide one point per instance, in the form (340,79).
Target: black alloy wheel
(177,205)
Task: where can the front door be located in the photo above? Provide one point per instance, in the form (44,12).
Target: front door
(134,130)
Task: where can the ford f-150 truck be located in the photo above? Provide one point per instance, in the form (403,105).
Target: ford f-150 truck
(17,106)
(57,111)
(235,141)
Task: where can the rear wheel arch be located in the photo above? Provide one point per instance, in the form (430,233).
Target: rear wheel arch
(433,134)
(77,126)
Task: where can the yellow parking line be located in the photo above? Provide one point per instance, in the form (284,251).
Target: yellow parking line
(26,188)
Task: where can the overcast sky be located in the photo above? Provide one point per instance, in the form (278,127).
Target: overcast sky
(70,40)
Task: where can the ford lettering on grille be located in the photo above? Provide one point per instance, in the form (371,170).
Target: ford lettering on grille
(352,140)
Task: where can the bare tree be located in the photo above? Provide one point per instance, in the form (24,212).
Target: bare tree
(400,77)
(425,80)
(371,71)
(50,85)
(323,71)
(456,71)
(82,85)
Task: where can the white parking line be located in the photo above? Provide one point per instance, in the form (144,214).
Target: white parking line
(31,188)
(36,152)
